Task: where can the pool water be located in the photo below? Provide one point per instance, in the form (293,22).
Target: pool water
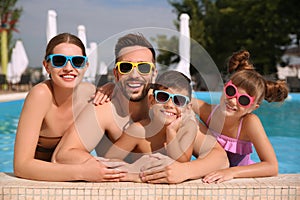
(281,122)
(9,117)
(282,125)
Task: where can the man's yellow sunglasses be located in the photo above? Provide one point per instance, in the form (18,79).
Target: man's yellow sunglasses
(125,67)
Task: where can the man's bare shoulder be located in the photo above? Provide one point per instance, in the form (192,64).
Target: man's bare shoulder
(104,114)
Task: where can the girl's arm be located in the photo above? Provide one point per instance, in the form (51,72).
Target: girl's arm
(257,135)
(209,153)
(268,165)
(201,108)
(180,139)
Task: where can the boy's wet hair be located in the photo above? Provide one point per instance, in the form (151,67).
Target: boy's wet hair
(173,80)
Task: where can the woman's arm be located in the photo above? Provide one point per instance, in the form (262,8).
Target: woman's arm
(31,118)
(201,108)
(26,166)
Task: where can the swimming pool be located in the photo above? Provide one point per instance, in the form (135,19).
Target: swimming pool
(281,123)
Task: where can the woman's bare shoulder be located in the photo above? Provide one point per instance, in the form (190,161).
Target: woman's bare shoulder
(41,91)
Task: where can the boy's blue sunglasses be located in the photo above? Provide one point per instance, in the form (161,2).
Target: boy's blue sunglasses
(178,99)
(60,60)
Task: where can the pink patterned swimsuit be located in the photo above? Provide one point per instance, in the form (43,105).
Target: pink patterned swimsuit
(238,151)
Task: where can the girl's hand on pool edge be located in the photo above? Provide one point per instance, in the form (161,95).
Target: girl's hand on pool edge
(219,176)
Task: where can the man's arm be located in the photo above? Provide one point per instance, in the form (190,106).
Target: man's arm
(80,138)
(71,150)
(122,147)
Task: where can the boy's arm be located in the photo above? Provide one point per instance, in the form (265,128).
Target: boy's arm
(210,157)
(180,142)
(165,171)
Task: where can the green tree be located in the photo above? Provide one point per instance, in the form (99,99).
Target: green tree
(9,17)
(166,57)
(225,26)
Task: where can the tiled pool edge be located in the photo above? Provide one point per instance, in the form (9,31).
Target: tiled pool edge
(284,186)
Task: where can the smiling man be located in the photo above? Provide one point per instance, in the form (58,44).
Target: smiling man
(135,70)
(98,127)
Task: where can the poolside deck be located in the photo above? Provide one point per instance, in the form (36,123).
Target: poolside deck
(284,186)
(10,96)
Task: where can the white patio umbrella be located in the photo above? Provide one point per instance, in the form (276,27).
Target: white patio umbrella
(82,34)
(103,68)
(92,54)
(19,63)
(101,74)
(51,31)
(51,25)
(184,46)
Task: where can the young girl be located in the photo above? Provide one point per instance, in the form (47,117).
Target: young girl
(236,127)
(49,109)
(171,127)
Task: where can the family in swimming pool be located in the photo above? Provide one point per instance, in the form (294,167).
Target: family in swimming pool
(148,127)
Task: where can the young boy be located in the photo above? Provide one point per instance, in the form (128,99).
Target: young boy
(170,127)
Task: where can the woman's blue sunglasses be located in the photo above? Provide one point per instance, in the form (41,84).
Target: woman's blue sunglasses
(60,60)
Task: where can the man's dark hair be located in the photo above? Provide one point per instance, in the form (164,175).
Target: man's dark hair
(133,40)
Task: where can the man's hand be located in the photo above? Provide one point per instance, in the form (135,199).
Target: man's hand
(103,94)
(95,171)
